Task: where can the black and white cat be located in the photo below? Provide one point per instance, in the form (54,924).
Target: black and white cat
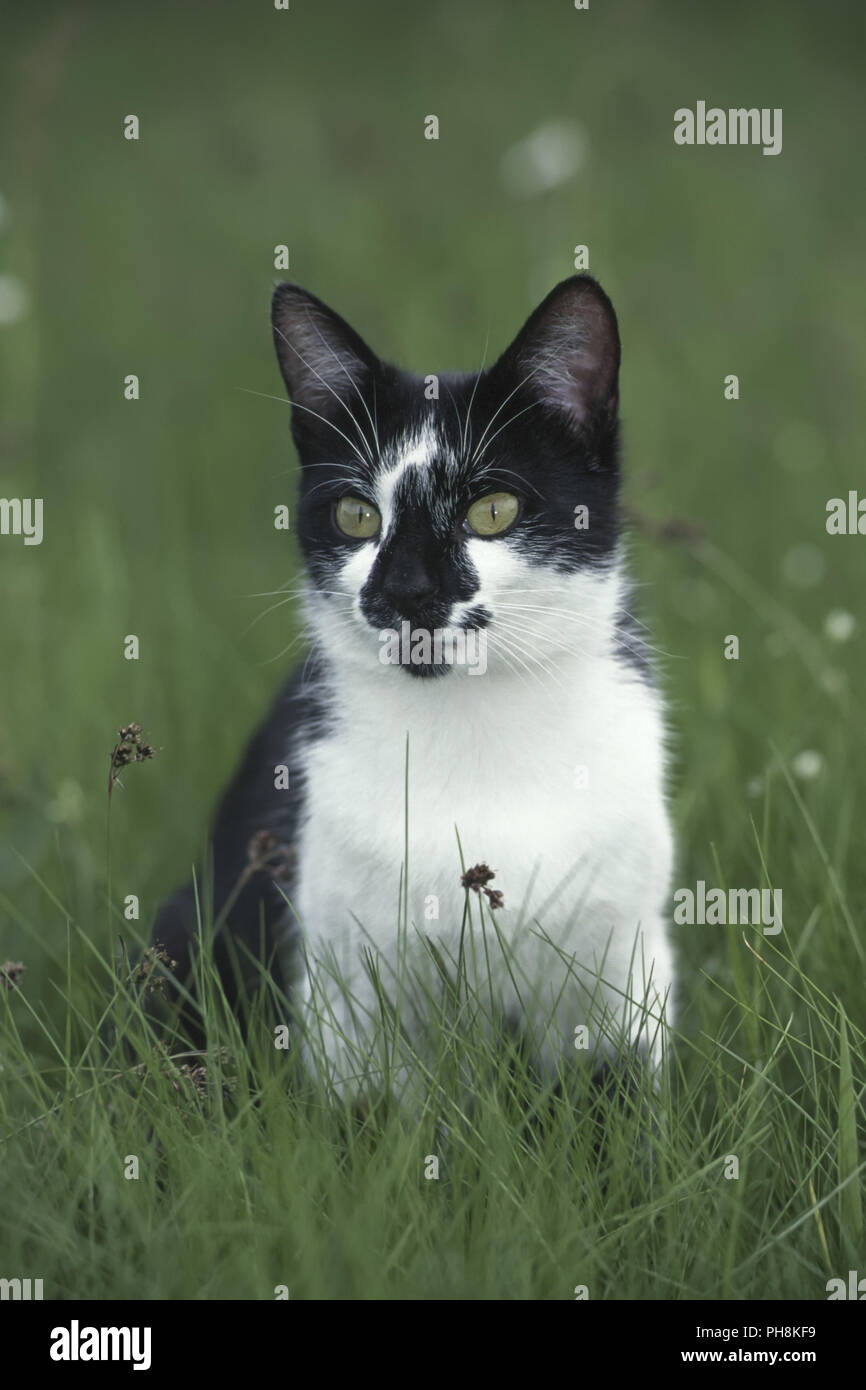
(466,601)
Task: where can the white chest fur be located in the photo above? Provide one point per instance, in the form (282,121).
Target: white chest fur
(556,784)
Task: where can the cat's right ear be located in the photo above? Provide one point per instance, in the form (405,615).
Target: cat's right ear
(567,353)
(323,361)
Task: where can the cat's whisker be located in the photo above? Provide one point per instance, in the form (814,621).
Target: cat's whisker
(309,634)
(376,419)
(507,473)
(344,615)
(601,631)
(519,644)
(468,429)
(287,594)
(581,651)
(327,463)
(589,622)
(340,472)
(532,651)
(265,611)
(587,619)
(498,411)
(500,651)
(299,591)
(504,649)
(266,395)
(555,639)
(540,616)
(294,642)
(454,404)
(354,385)
(349,481)
(538,590)
(335,614)
(508,422)
(337,397)
(531,665)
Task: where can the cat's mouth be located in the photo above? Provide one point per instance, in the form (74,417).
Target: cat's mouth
(426,652)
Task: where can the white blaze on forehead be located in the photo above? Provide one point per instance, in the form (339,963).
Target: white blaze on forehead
(415,450)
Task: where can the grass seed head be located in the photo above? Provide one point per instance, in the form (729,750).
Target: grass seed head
(477,878)
(265,853)
(10,973)
(130,748)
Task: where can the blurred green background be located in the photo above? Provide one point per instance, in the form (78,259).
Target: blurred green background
(306,127)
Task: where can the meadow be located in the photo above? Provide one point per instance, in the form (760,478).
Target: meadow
(155,258)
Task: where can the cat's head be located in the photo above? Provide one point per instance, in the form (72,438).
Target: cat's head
(481,507)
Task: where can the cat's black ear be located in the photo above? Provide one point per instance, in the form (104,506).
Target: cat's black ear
(323,361)
(567,352)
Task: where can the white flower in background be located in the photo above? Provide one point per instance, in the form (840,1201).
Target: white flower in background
(68,804)
(551,155)
(833,681)
(807,765)
(839,625)
(804,565)
(755,787)
(13,299)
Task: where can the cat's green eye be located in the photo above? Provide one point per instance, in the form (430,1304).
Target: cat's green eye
(491,515)
(357,519)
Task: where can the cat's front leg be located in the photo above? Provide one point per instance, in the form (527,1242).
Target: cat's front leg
(348,1029)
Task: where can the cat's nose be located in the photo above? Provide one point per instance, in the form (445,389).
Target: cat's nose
(408,584)
(409,600)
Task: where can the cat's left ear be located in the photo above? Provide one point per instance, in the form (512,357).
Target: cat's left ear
(323,361)
(567,353)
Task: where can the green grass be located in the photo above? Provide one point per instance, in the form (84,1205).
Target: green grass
(272,1179)
(157,258)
